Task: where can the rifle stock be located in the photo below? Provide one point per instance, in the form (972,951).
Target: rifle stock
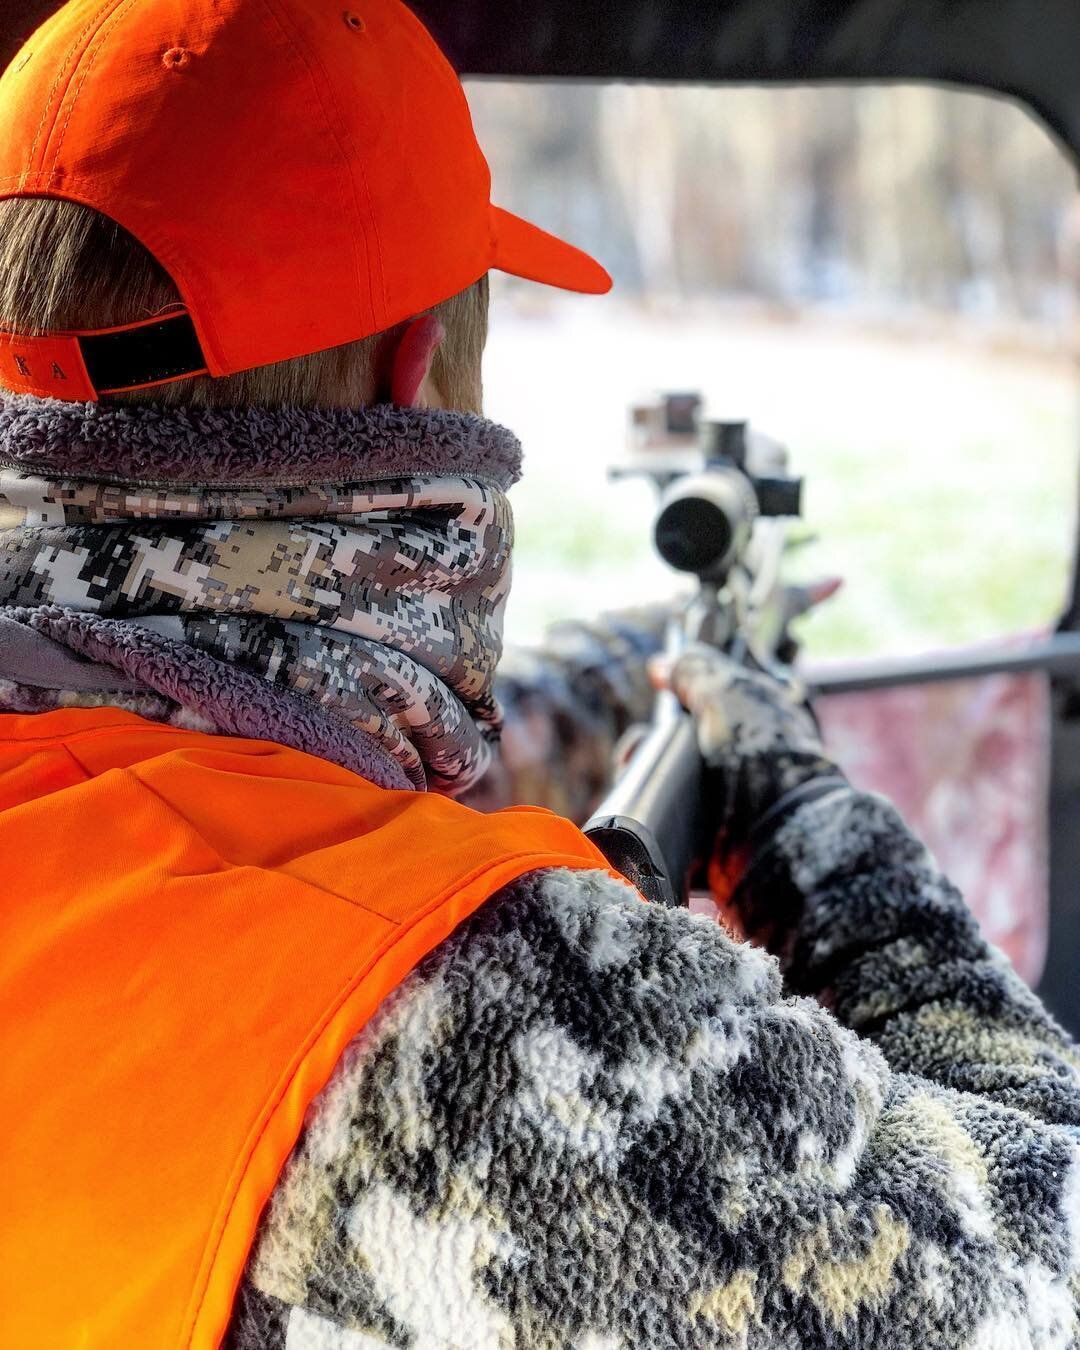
(649,827)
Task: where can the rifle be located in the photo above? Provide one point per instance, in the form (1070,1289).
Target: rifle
(724,491)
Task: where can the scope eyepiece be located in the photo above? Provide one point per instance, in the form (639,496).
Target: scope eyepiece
(705,521)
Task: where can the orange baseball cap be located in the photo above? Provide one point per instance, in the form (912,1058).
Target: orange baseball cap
(305,170)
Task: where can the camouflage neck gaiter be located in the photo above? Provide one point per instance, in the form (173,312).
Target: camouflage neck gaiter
(334,581)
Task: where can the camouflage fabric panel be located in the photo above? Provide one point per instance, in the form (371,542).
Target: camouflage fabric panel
(385,604)
(587,1122)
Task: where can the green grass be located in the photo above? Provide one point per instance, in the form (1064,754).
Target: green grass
(940,478)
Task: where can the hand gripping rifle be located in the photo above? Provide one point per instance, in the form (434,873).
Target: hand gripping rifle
(719,519)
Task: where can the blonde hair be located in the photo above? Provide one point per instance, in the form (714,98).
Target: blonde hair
(64,267)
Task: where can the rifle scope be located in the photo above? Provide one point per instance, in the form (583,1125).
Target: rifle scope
(656,823)
(705,521)
(706,518)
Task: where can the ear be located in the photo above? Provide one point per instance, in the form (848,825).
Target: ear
(409,383)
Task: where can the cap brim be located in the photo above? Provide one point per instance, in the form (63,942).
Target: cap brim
(527,251)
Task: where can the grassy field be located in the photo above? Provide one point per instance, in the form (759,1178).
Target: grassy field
(941,470)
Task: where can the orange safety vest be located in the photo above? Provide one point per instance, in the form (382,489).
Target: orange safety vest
(192,929)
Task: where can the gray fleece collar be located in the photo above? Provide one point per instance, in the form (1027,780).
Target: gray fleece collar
(116,658)
(148,443)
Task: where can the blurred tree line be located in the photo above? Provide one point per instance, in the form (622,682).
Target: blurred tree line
(890,199)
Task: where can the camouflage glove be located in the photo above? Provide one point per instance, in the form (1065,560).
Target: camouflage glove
(758,737)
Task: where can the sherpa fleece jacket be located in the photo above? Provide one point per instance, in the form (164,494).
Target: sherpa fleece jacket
(588,1122)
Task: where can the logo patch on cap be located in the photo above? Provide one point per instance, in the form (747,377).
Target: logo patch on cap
(44,366)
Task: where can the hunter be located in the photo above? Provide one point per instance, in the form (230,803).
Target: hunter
(300,1050)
